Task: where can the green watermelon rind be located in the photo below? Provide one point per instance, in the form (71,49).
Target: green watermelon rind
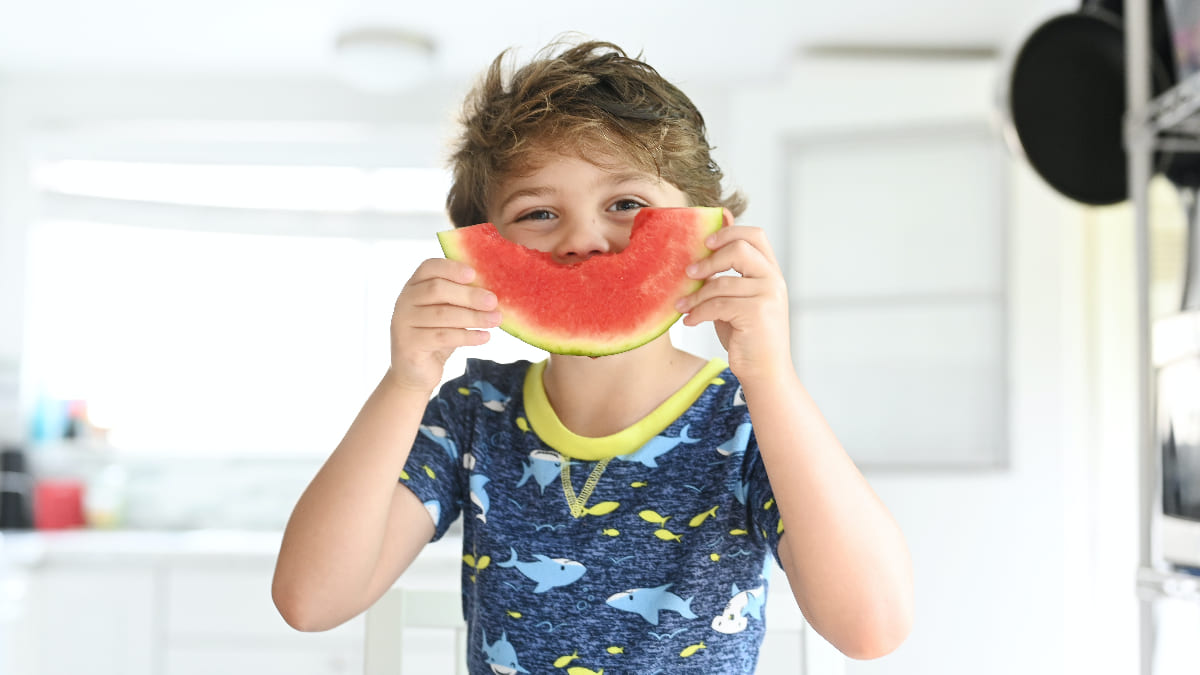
(711,220)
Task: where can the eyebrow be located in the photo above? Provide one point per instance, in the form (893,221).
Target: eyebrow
(629,177)
(541,191)
(614,179)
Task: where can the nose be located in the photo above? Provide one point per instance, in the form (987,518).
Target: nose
(582,238)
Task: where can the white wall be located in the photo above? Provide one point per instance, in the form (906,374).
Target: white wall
(1002,557)
(15,204)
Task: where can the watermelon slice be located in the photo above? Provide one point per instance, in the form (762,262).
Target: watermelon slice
(604,305)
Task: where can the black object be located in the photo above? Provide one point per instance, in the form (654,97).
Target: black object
(1067,102)
(16,491)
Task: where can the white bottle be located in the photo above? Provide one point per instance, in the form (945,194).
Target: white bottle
(104,498)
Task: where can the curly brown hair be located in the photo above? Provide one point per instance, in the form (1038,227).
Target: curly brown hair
(591,99)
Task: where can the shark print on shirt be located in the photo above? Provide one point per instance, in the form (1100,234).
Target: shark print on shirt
(638,553)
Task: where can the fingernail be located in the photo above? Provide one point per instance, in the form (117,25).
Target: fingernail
(681,304)
(494,318)
(691,270)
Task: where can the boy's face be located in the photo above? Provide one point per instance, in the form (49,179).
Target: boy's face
(574,209)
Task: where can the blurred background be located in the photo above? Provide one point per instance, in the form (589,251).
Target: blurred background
(208,208)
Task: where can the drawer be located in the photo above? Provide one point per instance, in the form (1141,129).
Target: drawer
(104,614)
(256,660)
(235,604)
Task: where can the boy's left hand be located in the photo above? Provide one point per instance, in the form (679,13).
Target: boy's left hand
(750,310)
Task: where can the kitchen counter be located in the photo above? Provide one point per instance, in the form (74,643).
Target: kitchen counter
(82,547)
(32,549)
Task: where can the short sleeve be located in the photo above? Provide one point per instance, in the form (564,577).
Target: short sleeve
(760,501)
(434,469)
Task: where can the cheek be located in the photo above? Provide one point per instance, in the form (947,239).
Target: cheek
(526,237)
(620,241)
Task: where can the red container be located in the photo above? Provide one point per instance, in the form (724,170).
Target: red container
(58,504)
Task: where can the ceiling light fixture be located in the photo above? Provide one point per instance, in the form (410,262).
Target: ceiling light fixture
(383,60)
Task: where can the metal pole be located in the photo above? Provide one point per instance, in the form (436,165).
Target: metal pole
(1139,145)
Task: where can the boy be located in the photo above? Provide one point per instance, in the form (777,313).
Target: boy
(619,513)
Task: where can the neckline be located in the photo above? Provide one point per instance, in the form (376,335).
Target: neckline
(545,422)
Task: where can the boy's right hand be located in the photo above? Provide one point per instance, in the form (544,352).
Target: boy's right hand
(437,312)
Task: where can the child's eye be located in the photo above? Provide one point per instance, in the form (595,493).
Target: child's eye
(540,214)
(626,205)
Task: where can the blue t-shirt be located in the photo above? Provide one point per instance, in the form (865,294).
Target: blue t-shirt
(641,552)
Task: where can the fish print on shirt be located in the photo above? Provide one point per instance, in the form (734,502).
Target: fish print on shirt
(438,435)
(737,444)
(648,602)
(547,572)
(742,606)
(544,466)
(562,661)
(493,399)
(479,495)
(434,507)
(656,447)
(476,564)
(501,656)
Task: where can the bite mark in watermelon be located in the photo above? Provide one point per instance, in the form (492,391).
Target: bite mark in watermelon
(606,304)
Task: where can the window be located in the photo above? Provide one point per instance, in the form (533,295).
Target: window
(209,340)
(330,189)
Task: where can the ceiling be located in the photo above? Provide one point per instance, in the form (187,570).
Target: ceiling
(693,40)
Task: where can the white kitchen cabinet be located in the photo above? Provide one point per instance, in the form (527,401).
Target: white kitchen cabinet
(98,620)
(137,603)
(257,660)
(222,620)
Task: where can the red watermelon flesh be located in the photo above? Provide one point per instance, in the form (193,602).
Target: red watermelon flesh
(606,304)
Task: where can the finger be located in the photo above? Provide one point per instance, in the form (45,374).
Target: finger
(738,255)
(754,235)
(441,291)
(450,316)
(438,339)
(737,311)
(715,309)
(748,292)
(725,286)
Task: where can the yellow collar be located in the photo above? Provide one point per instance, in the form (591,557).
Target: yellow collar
(550,429)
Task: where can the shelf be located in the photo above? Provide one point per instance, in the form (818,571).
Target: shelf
(1169,122)
(1171,119)
(1155,584)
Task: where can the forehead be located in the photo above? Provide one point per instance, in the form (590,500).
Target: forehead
(606,156)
